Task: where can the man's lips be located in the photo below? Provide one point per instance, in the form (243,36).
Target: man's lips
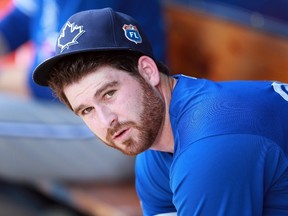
(119,134)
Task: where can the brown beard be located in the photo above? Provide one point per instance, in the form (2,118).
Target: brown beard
(151,120)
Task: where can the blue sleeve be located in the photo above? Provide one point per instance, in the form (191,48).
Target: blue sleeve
(15,28)
(152,182)
(230,175)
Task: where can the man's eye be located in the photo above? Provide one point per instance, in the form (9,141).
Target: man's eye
(87,110)
(109,94)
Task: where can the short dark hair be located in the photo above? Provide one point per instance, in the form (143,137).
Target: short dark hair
(73,68)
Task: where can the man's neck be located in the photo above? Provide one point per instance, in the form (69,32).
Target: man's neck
(165,141)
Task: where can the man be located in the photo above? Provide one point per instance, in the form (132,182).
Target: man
(48,138)
(203,148)
(40,139)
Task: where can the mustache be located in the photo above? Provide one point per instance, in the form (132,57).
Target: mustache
(118,127)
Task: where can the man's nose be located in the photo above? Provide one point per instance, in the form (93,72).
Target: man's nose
(107,117)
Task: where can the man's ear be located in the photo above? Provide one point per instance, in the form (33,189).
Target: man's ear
(148,70)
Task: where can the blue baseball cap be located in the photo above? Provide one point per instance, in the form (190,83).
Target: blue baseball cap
(92,31)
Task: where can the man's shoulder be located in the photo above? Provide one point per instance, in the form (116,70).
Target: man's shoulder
(235,107)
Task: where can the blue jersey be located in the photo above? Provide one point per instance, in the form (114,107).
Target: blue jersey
(230,153)
(40,21)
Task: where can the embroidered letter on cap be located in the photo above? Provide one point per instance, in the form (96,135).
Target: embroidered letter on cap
(132,33)
(69,35)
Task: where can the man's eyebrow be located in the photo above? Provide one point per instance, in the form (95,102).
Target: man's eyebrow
(104,87)
(97,93)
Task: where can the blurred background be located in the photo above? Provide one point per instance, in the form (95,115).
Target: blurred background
(218,40)
(228,39)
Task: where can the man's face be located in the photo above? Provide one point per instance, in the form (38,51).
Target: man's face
(124,112)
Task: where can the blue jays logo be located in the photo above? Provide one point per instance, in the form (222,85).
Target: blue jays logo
(132,33)
(69,35)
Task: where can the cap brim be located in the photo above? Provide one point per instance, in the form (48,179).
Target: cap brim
(42,71)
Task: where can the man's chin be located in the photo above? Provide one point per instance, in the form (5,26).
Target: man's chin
(134,151)
(129,147)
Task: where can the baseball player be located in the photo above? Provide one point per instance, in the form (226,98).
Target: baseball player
(202,147)
(41,133)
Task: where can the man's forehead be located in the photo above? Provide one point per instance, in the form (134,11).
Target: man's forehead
(94,81)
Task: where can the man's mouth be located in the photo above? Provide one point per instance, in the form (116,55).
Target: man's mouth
(119,134)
